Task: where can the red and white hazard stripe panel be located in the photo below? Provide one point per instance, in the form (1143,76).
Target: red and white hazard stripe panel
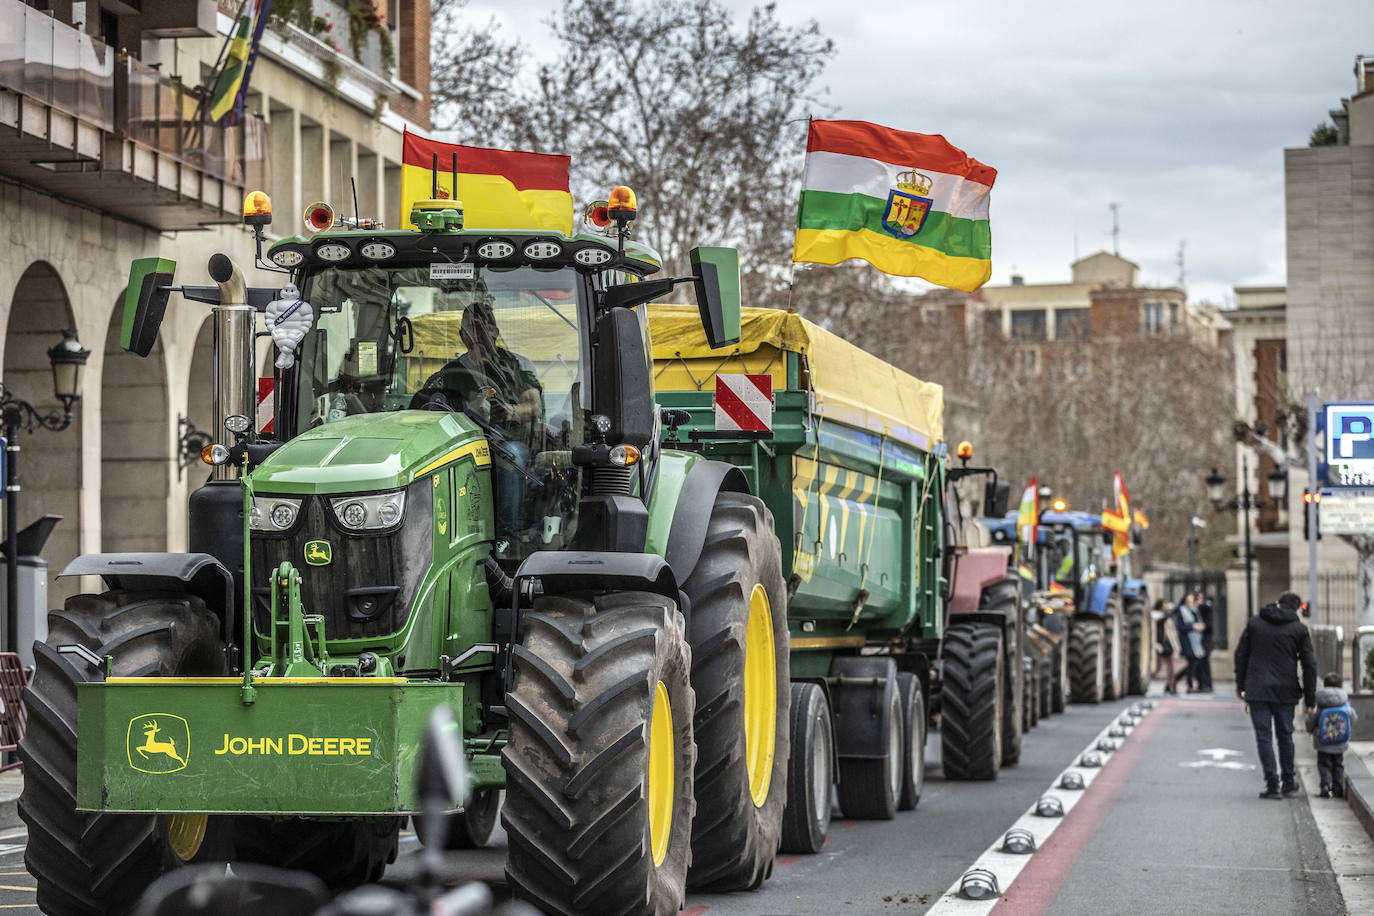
(744,403)
(265,405)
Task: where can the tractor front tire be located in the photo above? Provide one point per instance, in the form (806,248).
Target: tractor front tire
(1058,664)
(972,695)
(1044,684)
(740,674)
(1087,666)
(100,863)
(599,762)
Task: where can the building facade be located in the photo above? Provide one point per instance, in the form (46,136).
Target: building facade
(106,156)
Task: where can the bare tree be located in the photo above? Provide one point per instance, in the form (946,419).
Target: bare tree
(704,116)
(473,74)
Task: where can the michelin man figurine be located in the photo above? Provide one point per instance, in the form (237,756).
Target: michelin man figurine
(289,317)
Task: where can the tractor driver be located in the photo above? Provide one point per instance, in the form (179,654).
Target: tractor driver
(499,389)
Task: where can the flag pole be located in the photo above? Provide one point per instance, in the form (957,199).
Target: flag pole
(205,89)
(792,261)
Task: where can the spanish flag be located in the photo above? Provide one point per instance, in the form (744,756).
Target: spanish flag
(1119,521)
(499,189)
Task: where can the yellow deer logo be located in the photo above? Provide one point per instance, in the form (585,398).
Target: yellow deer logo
(318,553)
(159,754)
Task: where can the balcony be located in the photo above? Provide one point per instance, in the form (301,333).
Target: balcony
(106,131)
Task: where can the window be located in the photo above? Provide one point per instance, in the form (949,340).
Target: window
(1173,317)
(992,322)
(1028,324)
(1154,318)
(1072,324)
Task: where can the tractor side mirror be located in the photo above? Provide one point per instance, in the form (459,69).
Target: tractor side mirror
(145,302)
(624,382)
(995,497)
(716,273)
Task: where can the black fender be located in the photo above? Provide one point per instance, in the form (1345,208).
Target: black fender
(562,571)
(857,706)
(692,514)
(1006,621)
(196,574)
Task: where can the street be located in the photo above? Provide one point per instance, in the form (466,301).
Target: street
(1171,822)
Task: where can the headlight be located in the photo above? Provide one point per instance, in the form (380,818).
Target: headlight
(370,513)
(273,513)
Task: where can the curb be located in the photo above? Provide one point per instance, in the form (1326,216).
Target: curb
(1359,792)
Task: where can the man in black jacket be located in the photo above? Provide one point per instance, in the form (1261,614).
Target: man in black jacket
(1272,646)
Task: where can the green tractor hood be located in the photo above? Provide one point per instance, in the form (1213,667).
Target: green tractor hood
(380,451)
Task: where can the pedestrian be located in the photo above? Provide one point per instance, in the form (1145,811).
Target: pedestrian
(1188,626)
(1330,727)
(1166,642)
(1275,643)
(1204,660)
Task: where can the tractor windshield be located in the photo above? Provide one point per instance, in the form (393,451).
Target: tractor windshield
(502,345)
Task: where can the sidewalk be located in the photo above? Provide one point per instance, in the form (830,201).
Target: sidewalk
(11,784)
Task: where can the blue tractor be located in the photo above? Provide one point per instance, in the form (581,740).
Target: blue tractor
(1078,587)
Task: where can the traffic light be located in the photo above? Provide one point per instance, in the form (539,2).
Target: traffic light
(1308,497)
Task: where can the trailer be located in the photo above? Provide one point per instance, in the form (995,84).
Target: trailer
(895,610)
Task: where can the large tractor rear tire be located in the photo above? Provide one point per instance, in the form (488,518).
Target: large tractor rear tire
(971,699)
(1004,598)
(1029,695)
(1137,670)
(1058,669)
(1044,684)
(102,863)
(599,762)
(1114,680)
(740,674)
(342,853)
(1087,665)
(913,740)
(870,787)
(810,773)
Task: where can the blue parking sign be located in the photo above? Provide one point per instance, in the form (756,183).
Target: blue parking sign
(1347,435)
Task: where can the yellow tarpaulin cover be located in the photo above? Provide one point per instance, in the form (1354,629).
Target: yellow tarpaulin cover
(851,385)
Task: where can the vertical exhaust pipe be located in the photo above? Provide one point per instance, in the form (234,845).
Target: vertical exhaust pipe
(235,372)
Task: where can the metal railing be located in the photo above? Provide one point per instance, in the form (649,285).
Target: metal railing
(14,718)
(47,60)
(1337,597)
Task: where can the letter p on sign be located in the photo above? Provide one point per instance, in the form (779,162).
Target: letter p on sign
(744,403)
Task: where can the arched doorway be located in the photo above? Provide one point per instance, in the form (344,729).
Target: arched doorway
(49,463)
(135,458)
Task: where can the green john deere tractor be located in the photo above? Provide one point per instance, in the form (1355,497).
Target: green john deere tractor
(461,501)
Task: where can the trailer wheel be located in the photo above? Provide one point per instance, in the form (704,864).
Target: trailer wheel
(870,786)
(1087,667)
(341,853)
(810,771)
(599,762)
(913,740)
(971,701)
(472,827)
(97,863)
(740,674)
(1136,670)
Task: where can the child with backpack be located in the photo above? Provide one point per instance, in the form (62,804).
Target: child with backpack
(1330,727)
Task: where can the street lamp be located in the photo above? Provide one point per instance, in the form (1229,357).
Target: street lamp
(68,359)
(1278,489)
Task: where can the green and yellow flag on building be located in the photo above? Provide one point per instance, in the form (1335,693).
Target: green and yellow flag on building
(231,74)
(912,205)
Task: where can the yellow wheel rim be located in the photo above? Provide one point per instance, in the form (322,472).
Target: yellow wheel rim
(760,696)
(185,834)
(662,771)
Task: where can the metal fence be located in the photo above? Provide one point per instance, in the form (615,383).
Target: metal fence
(1212,584)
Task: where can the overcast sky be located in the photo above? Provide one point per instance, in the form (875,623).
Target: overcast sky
(1178,110)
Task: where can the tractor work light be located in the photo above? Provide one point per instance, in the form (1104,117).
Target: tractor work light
(257,209)
(1090,759)
(237,424)
(273,513)
(1072,781)
(979,884)
(543,250)
(1019,841)
(332,251)
(287,257)
(1059,505)
(377,250)
(318,216)
(370,513)
(1107,745)
(623,456)
(495,250)
(592,257)
(1049,806)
